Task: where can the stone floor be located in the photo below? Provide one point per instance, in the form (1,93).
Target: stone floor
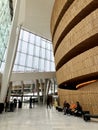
(41,118)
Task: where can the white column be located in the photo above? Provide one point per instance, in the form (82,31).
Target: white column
(45,88)
(22,84)
(11,51)
(37,86)
(9,91)
(48,87)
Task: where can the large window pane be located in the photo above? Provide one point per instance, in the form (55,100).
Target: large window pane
(31,49)
(34,53)
(52,56)
(37,49)
(36,62)
(43,43)
(41,65)
(52,65)
(32,38)
(42,53)
(47,65)
(28,69)
(48,54)
(22,59)
(26,36)
(37,40)
(20,68)
(29,61)
(48,45)
(5,26)
(24,47)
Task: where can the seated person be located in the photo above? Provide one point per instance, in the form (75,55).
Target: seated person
(66,107)
(72,108)
(78,110)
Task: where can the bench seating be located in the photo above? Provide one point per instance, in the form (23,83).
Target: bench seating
(87,117)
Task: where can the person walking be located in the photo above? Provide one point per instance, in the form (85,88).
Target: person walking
(30,102)
(49,102)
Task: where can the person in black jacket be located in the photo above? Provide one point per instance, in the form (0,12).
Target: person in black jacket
(78,110)
(66,108)
(49,101)
(30,102)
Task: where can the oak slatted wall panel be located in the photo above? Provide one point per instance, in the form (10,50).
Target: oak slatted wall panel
(87,96)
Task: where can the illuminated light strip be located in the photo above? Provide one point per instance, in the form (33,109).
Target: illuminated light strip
(85,83)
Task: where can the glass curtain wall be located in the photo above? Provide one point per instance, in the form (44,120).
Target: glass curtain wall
(5,26)
(34,53)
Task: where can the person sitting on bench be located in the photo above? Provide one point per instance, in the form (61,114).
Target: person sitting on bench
(78,110)
(66,107)
(72,108)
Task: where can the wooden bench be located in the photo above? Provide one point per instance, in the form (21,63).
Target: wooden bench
(87,117)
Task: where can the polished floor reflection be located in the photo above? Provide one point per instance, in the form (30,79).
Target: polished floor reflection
(41,118)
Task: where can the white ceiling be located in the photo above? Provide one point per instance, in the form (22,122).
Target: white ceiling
(35,16)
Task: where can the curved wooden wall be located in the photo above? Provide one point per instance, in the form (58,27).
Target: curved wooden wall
(74,29)
(87,96)
(71,13)
(88,27)
(85,64)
